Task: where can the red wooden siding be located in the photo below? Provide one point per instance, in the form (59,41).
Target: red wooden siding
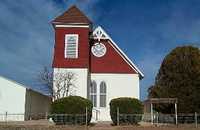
(111,62)
(82,61)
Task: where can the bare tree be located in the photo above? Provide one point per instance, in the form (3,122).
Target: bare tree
(46,78)
(60,84)
(64,84)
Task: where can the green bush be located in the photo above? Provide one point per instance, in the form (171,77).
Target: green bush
(130,110)
(71,110)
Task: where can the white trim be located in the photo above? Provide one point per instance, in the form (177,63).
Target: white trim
(73,26)
(69,35)
(102,94)
(123,57)
(122,54)
(96,73)
(93,93)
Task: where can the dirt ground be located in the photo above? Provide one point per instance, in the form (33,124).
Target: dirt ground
(45,125)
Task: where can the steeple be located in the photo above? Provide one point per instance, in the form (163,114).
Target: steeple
(72,16)
(72,31)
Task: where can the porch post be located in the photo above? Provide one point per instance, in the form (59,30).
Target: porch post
(151,113)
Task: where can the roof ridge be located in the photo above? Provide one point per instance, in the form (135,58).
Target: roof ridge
(22,85)
(72,15)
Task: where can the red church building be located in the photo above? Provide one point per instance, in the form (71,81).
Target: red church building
(102,69)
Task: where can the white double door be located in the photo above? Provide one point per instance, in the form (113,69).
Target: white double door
(98,96)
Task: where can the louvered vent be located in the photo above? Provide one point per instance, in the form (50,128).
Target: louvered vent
(71,46)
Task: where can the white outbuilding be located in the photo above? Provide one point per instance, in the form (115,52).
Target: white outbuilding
(19,103)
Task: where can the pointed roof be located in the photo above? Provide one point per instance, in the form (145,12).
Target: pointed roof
(73,15)
(99,33)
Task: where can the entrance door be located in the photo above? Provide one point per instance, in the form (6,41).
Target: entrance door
(99,99)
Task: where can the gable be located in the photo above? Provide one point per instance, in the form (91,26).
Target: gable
(115,60)
(111,62)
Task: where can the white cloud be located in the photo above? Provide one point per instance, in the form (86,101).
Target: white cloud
(27,37)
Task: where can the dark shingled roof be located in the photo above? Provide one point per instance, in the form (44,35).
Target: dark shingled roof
(72,15)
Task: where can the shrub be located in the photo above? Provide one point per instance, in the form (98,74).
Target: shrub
(71,110)
(128,110)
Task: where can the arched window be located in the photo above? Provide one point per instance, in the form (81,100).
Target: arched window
(103,94)
(93,93)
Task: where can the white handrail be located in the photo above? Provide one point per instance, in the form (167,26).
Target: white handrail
(97,112)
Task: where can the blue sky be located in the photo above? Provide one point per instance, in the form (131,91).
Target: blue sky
(146,30)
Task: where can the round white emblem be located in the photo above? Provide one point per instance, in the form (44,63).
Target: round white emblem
(98,49)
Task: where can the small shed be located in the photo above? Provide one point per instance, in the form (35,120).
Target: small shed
(19,103)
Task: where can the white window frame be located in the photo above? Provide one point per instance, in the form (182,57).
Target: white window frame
(65,51)
(102,94)
(93,93)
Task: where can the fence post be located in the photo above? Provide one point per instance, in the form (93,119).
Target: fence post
(46,115)
(86,114)
(118,116)
(176,114)
(75,120)
(196,122)
(6,118)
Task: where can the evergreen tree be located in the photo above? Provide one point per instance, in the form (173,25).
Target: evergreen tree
(179,77)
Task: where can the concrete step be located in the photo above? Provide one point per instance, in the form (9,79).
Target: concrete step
(103,124)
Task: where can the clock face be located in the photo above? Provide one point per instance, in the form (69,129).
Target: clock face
(98,49)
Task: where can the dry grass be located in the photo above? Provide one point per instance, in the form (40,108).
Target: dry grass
(44,125)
